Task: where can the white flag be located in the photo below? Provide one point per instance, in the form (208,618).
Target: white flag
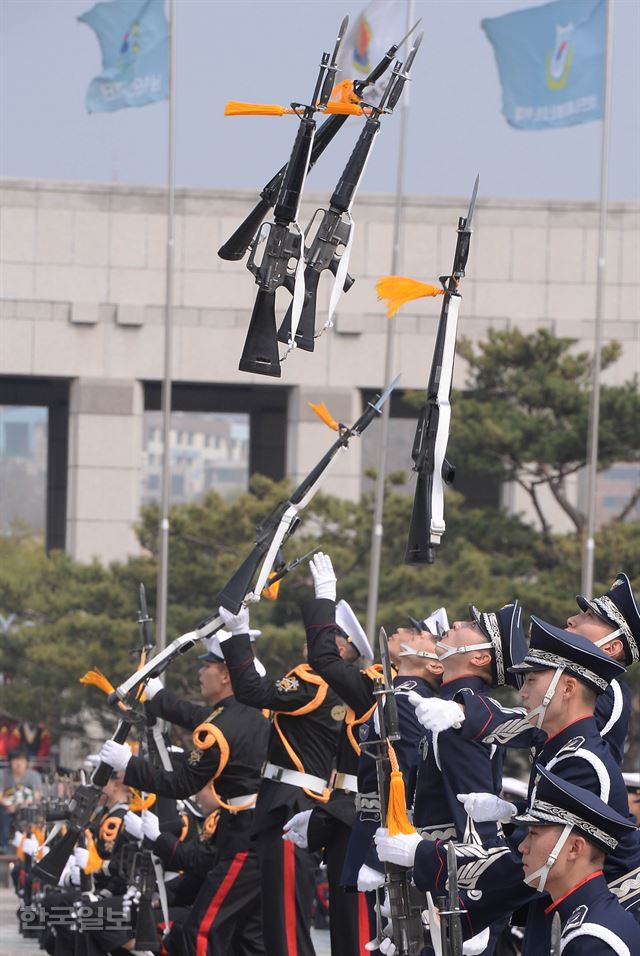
(380,25)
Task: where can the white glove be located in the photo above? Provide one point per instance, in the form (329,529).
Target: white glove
(400,849)
(30,846)
(324,577)
(236,623)
(81,857)
(115,755)
(369,879)
(387,946)
(91,761)
(133,825)
(477,944)
(66,872)
(132,896)
(74,875)
(17,836)
(436,715)
(153,687)
(150,826)
(297,828)
(487,808)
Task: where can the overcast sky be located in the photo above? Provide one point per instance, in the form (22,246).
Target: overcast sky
(267,50)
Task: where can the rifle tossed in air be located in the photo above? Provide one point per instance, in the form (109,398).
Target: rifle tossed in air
(433,469)
(331,246)
(404,900)
(282,256)
(236,246)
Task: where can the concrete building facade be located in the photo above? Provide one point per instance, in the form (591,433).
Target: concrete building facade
(82,310)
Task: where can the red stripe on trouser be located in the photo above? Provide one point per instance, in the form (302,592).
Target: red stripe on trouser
(290,897)
(364,934)
(217,901)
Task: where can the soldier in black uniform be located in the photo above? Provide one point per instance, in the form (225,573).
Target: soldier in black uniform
(307,717)
(230,746)
(336,643)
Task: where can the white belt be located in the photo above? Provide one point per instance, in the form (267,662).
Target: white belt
(345,781)
(240,801)
(294,777)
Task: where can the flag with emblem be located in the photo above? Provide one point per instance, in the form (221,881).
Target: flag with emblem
(551,63)
(134,42)
(381,24)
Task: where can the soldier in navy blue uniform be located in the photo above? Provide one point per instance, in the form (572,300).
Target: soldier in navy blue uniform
(230,745)
(336,643)
(612,622)
(570,832)
(306,720)
(475,655)
(563,674)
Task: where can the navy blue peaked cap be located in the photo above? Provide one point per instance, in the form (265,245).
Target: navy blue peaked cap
(504,629)
(551,647)
(557,802)
(619,608)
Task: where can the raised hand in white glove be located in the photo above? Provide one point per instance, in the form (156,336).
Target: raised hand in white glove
(17,836)
(91,761)
(236,623)
(436,715)
(81,857)
(324,577)
(297,828)
(477,944)
(400,849)
(369,879)
(150,825)
(133,825)
(115,755)
(154,686)
(30,846)
(487,808)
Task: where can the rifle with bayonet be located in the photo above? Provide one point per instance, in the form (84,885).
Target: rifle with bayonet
(433,469)
(282,256)
(331,245)
(404,900)
(249,581)
(236,246)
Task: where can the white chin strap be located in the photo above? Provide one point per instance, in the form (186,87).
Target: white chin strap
(541,709)
(540,875)
(466,649)
(609,637)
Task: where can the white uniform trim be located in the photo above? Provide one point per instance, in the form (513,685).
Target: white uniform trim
(596,763)
(616,711)
(597,932)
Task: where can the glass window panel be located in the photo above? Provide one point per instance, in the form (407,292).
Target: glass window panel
(23,467)
(209,451)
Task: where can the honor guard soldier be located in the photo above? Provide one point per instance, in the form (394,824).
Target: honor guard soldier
(230,744)
(563,674)
(612,622)
(570,832)
(475,655)
(306,719)
(632,783)
(336,643)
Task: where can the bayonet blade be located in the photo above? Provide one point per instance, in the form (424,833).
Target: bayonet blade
(341,33)
(472,204)
(385,395)
(556,936)
(407,35)
(384,657)
(455,925)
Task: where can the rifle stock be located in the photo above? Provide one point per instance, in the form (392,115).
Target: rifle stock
(260,352)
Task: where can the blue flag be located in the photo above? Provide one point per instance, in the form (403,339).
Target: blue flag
(551,63)
(134,41)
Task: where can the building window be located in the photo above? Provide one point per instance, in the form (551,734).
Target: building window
(213,455)
(23,468)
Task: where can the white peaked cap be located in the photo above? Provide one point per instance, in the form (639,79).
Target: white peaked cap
(212,645)
(438,617)
(349,623)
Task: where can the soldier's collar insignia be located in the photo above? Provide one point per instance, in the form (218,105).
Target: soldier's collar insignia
(576,919)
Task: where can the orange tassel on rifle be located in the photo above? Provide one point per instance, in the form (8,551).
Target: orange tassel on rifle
(270,591)
(95,861)
(324,415)
(397,290)
(141,803)
(97,679)
(397,820)
(343,93)
(235,108)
